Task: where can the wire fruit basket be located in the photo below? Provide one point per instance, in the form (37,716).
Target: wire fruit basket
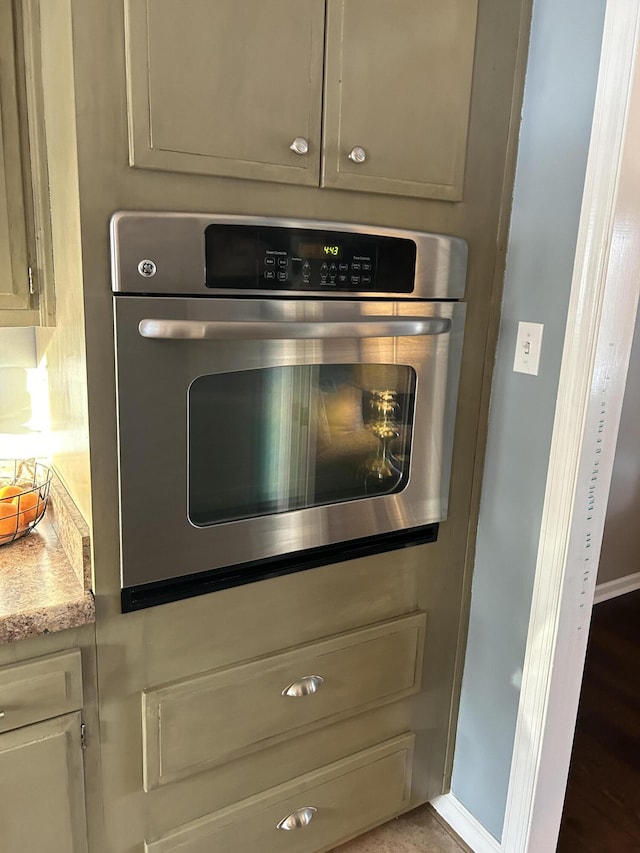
(24,495)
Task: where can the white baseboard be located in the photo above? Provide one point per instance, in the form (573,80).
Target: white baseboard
(465,825)
(619,586)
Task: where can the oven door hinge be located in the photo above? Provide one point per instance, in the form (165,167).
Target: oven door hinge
(32,287)
(83,735)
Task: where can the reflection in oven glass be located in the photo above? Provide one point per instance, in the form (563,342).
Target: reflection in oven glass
(285,438)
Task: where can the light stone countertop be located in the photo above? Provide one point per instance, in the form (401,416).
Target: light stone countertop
(45,577)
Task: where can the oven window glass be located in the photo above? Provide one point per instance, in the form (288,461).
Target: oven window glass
(285,438)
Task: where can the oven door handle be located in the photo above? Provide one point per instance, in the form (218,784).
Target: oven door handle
(266,330)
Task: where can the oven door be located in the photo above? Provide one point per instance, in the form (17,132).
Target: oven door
(254,429)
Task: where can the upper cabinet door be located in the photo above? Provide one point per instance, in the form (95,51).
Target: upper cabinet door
(14,286)
(226,87)
(397,94)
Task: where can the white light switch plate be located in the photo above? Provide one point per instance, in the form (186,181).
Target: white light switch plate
(528,346)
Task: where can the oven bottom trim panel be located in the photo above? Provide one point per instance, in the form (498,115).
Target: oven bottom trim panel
(141,596)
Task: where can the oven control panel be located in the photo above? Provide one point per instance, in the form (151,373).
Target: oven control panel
(329,270)
(269,258)
(215,254)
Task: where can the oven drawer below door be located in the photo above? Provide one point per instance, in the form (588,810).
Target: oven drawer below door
(310,814)
(197,723)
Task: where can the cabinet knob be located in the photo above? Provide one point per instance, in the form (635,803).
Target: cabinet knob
(305,686)
(299,145)
(357,155)
(298,819)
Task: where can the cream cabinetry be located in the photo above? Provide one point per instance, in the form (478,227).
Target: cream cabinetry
(41,766)
(353,94)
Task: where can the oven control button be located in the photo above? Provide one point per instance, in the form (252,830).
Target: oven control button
(332,277)
(366,267)
(306,267)
(355,279)
(269,274)
(343,267)
(269,262)
(282,262)
(147,268)
(356,266)
(366,279)
(342,279)
(324,268)
(282,276)
(323,278)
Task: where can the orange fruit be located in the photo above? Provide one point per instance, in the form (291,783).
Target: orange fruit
(8,518)
(8,493)
(29,506)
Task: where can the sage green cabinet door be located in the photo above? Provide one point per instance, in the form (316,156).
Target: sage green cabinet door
(41,788)
(14,285)
(397,89)
(224,87)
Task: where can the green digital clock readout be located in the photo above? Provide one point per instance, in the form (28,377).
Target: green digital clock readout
(319,250)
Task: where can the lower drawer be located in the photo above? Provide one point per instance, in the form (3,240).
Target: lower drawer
(309,814)
(194,724)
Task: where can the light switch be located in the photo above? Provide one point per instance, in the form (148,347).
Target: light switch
(528,346)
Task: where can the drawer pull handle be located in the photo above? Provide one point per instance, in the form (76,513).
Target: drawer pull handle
(298,819)
(305,686)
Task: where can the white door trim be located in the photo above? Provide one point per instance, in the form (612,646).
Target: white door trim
(597,347)
(464,824)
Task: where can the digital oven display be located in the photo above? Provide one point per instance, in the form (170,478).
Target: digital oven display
(272,258)
(320,250)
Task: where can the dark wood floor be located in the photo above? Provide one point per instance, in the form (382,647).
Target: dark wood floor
(602,807)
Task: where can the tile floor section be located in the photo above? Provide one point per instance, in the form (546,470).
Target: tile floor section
(418,831)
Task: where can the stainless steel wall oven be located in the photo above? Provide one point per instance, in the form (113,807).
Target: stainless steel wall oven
(286,394)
